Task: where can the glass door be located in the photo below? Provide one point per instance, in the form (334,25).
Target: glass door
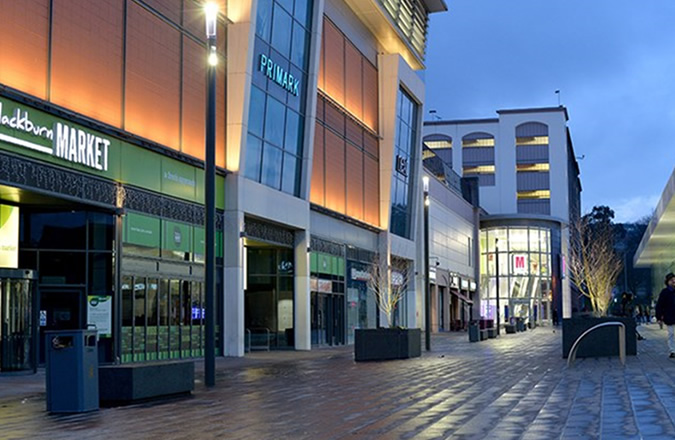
(17,324)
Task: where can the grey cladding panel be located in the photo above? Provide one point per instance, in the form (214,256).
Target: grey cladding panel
(529,129)
(478,156)
(532,181)
(531,154)
(534,207)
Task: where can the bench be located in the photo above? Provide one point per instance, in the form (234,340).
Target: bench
(130,383)
(492,332)
(510,328)
(483,334)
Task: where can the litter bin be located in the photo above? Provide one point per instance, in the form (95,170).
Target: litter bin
(71,371)
(474,335)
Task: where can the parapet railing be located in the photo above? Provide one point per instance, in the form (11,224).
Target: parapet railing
(622,341)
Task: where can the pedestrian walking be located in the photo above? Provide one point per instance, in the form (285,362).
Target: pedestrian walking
(665,310)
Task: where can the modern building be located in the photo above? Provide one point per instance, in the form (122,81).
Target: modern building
(529,187)
(454,226)
(102,115)
(656,249)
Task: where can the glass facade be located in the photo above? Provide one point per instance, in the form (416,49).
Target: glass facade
(361,305)
(405,148)
(516,261)
(278,94)
(162,289)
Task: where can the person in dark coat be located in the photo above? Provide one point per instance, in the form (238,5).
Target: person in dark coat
(665,310)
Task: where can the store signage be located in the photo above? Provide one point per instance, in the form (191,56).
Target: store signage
(472,286)
(360,275)
(402,165)
(465,284)
(277,74)
(397,278)
(325,286)
(68,143)
(9,236)
(518,264)
(454,282)
(99,314)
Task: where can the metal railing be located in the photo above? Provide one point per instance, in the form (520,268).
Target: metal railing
(261,342)
(622,341)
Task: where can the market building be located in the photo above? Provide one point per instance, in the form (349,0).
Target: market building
(529,188)
(102,185)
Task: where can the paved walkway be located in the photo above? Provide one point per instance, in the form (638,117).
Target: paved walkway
(515,387)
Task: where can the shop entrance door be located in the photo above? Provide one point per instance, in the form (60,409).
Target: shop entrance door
(328,319)
(60,309)
(17,320)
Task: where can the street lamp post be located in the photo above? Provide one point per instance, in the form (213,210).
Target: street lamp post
(427,298)
(497,274)
(211,11)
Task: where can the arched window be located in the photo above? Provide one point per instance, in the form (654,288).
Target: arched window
(478,157)
(441,145)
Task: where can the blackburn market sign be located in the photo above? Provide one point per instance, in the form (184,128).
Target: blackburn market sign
(65,142)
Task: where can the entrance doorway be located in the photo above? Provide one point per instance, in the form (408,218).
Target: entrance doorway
(269,296)
(328,319)
(18,326)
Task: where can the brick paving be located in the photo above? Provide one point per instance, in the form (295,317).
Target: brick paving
(514,387)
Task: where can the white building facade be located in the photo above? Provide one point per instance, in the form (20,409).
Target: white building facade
(529,188)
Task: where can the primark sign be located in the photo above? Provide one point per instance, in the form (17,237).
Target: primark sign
(277,74)
(61,140)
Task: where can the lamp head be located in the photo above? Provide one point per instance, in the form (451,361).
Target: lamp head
(211,13)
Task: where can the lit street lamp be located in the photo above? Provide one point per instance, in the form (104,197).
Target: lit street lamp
(427,299)
(211,11)
(497,274)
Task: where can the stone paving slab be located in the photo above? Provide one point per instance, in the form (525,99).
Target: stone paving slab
(513,387)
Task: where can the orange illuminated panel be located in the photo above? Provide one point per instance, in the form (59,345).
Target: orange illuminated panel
(169,8)
(371,145)
(87,46)
(220,115)
(335,172)
(371,188)
(370,96)
(354,182)
(24,45)
(194,98)
(321,83)
(334,59)
(152,78)
(353,81)
(317,186)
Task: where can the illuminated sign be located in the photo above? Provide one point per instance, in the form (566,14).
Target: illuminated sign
(68,143)
(9,236)
(360,275)
(519,264)
(277,74)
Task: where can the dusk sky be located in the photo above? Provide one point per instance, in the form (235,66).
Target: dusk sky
(612,60)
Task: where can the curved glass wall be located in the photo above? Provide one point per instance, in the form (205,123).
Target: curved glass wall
(516,262)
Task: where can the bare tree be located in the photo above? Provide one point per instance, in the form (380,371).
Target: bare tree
(594,264)
(389,283)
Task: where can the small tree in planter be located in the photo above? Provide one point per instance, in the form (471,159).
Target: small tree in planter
(594,267)
(594,264)
(388,282)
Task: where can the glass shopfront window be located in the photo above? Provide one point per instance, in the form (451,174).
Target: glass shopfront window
(361,305)
(517,261)
(278,94)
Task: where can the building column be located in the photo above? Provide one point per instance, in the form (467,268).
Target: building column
(302,308)
(234,255)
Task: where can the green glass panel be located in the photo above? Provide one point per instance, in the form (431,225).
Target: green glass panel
(178,179)
(177,236)
(324,264)
(142,168)
(313,262)
(142,230)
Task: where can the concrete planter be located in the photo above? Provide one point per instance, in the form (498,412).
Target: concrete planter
(387,343)
(602,342)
